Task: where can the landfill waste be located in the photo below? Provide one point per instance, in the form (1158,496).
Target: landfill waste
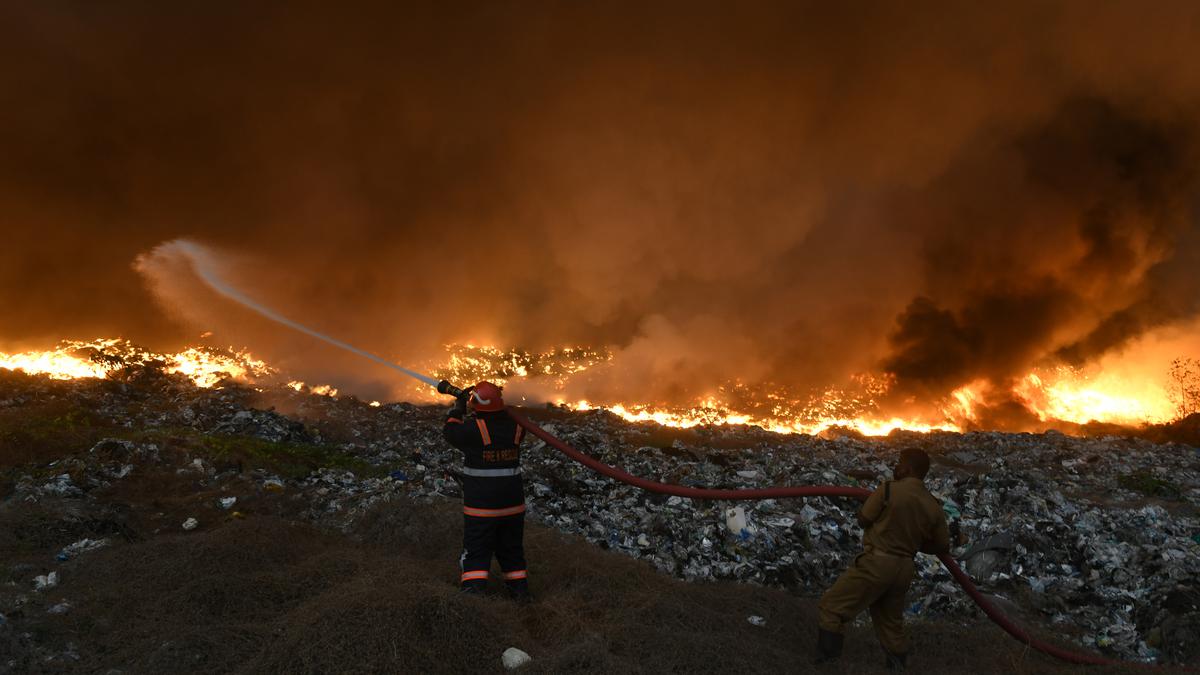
(514,658)
(227,502)
(756,620)
(41,583)
(81,546)
(60,608)
(190,524)
(735,520)
(1103,532)
(984,557)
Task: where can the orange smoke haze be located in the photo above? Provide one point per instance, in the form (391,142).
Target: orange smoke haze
(950,197)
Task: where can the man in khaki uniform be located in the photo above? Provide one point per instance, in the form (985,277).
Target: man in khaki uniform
(898,519)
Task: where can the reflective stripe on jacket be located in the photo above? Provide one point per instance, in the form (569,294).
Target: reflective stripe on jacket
(490,443)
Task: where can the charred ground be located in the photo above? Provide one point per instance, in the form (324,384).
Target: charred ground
(330,560)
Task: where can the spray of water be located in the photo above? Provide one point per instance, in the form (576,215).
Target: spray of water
(205,267)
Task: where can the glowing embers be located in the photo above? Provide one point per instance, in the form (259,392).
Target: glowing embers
(318,389)
(470,363)
(74,359)
(206,367)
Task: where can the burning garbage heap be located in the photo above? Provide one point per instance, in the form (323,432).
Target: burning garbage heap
(1097,539)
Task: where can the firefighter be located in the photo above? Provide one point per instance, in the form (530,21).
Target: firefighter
(493,492)
(899,519)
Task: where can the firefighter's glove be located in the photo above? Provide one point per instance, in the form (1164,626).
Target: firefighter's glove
(460,408)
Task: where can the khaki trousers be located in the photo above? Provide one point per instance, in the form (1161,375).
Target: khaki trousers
(874,580)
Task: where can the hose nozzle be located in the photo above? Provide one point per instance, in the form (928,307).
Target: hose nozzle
(444,387)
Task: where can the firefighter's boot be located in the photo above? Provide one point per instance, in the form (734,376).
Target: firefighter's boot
(519,592)
(829,646)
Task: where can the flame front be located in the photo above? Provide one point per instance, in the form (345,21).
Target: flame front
(1051,396)
(74,359)
(1063,394)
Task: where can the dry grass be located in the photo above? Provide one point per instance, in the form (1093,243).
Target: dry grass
(270,595)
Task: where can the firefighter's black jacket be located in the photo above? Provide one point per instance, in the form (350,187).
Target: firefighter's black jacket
(488,440)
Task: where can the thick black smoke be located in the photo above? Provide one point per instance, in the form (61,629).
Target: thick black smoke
(782,191)
(1068,243)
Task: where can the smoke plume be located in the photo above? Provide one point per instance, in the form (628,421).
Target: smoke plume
(787,192)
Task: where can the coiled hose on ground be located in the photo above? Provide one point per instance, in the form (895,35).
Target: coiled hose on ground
(860,494)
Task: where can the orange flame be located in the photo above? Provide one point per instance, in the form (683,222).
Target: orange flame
(74,359)
(1052,395)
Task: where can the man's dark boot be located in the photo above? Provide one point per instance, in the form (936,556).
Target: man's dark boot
(895,662)
(473,587)
(829,646)
(519,592)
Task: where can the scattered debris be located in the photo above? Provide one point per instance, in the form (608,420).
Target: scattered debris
(45,582)
(756,620)
(81,546)
(190,524)
(227,502)
(514,658)
(983,557)
(61,608)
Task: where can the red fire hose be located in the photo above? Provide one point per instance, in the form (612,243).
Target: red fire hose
(860,494)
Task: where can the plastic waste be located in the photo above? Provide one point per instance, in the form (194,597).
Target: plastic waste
(190,524)
(756,620)
(81,546)
(951,509)
(735,520)
(984,557)
(43,582)
(514,658)
(228,502)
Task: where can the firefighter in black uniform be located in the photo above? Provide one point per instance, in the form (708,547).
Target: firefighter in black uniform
(493,492)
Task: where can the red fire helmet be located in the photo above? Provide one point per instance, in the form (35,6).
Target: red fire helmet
(486,397)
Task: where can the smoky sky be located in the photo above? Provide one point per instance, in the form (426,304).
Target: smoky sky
(786,192)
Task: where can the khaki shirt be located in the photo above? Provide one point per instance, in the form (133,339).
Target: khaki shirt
(904,519)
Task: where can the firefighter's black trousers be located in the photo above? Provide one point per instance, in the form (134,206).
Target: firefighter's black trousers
(503,536)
